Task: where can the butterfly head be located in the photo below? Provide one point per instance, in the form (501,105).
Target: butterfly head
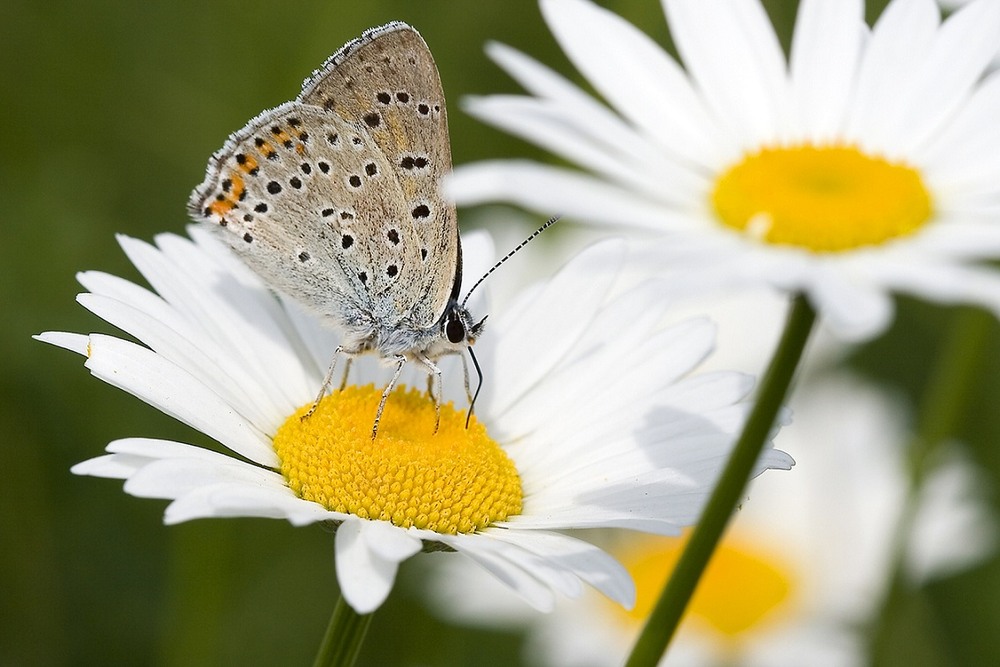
(458,325)
(459,328)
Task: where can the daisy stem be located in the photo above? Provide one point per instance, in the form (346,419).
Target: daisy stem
(666,615)
(948,388)
(945,397)
(343,638)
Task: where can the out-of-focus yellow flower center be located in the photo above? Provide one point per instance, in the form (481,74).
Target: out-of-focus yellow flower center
(822,198)
(744,586)
(457,480)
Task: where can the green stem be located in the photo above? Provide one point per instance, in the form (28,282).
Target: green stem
(949,385)
(945,397)
(344,637)
(666,616)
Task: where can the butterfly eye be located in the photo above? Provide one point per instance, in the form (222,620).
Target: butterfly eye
(455,329)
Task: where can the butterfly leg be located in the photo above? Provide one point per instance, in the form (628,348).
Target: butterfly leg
(430,385)
(326,381)
(347,369)
(435,374)
(437,401)
(468,385)
(400,362)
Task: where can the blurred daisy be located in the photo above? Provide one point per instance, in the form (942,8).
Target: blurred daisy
(802,569)
(583,424)
(866,164)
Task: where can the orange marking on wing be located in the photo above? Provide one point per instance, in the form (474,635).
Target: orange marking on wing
(237,188)
(249,164)
(220,208)
(266,148)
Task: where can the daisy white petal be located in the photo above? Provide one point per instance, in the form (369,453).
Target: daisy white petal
(557,130)
(490,555)
(629,68)
(582,112)
(581,424)
(234,499)
(365,577)
(736,62)
(853,308)
(368,556)
(823,61)
(947,284)
(193,355)
(224,313)
(590,123)
(868,149)
(710,391)
(953,67)
(169,388)
(971,240)
(900,40)
(953,5)
(653,356)
(68,341)
(130,455)
(551,311)
(586,198)
(962,155)
(549,570)
(108,286)
(585,560)
(174,477)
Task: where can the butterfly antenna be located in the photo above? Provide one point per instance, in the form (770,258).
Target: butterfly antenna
(548,223)
(479,372)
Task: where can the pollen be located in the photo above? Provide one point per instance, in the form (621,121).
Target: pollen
(455,480)
(821,198)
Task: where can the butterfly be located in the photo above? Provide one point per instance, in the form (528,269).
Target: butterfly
(334,200)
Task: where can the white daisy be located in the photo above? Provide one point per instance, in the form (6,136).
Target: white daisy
(809,553)
(585,421)
(867,163)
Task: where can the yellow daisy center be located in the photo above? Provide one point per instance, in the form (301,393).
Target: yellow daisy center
(822,198)
(744,587)
(457,480)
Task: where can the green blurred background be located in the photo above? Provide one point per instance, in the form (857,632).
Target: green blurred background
(111,110)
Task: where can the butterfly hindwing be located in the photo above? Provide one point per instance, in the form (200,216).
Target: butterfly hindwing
(291,193)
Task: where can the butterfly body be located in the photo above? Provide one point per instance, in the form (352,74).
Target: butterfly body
(334,199)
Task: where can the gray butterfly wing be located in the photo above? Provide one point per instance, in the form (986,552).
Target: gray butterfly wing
(335,209)
(386,81)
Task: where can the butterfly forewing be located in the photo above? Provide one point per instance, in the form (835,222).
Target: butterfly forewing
(405,115)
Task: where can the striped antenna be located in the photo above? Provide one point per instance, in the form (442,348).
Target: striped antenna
(548,223)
